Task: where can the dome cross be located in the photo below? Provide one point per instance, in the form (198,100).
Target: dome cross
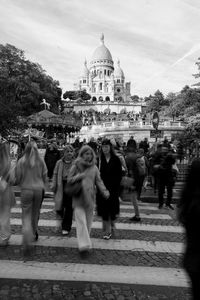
(102,38)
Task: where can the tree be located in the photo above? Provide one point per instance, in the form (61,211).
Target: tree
(75,95)
(198,74)
(189,101)
(135,98)
(23,85)
(173,109)
(155,102)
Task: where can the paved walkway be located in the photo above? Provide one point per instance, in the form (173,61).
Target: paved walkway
(142,260)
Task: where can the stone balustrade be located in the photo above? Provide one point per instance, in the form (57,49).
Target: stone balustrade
(140,124)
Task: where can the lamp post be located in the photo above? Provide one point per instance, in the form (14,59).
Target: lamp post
(155,122)
(29,131)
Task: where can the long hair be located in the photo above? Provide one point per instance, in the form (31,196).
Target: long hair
(84,149)
(190,198)
(5,161)
(112,151)
(31,155)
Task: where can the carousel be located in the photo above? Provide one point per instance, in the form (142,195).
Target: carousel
(47,125)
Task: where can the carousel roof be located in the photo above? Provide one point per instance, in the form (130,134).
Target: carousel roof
(45,114)
(47,118)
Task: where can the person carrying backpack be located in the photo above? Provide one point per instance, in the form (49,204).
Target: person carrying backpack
(142,170)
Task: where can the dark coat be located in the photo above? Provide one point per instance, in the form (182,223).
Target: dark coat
(51,157)
(191,259)
(111,174)
(166,174)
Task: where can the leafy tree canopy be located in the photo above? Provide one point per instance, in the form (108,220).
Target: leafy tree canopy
(23,85)
(155,102)
(77,95)
(135,98)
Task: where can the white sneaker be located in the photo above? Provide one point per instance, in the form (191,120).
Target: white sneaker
(65,232)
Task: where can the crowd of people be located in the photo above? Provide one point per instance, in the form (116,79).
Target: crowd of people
(90,177)
(92,117)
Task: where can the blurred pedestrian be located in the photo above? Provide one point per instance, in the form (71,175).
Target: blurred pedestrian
(144,145)
(155,161)
(52,155)
(85,169)
(189,216)
(7,199)
(131,159)
(166,178)
(111,173)
(31,176)
(142,164)
(63,202)
(131,143)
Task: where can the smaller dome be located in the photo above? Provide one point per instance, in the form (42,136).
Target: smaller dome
(118,71)
(85,72)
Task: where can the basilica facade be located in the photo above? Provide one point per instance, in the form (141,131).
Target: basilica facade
(102,80)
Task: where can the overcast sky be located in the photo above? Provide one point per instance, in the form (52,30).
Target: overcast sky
(157,41)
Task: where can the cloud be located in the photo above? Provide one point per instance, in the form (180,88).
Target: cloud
(151,37)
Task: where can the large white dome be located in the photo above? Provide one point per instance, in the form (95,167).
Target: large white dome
(101,52)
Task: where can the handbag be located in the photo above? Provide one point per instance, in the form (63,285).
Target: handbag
(3,184)
(127,181)
(73,189)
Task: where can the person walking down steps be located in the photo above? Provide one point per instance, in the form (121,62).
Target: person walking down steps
(7,199)
(85,169)
(63,202)
(111,173)
(31,176)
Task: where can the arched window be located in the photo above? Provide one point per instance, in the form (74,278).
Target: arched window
(107,98)
(106,88)
(94,99)
(101,98)
(100,86)
(118,80)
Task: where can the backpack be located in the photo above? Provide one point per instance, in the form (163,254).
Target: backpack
(141,166)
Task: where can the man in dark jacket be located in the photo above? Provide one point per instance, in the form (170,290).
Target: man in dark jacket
(132,143)
(52,155)
(166,178)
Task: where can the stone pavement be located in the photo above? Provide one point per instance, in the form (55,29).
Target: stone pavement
(142,260)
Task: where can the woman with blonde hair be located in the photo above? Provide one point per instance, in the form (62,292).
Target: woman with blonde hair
(85,169)
(7,199)
(31,176)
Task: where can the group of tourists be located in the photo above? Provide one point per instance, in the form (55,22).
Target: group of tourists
(84,182)
(101,180)
(92,117)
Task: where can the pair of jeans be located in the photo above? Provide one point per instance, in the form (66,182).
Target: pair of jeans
(5,230)
(139,185)
(135,204)
(161,189)
(66,213)
(31,201)
(84,219)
